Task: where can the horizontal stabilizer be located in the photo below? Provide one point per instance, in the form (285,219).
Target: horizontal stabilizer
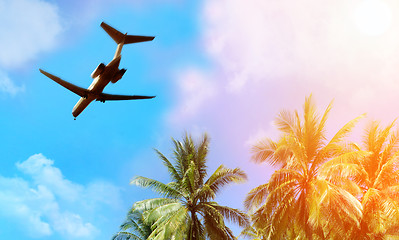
(137,39)
(111,97)
(124,38)
(71,87)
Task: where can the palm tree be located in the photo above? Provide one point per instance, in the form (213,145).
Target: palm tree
(134,227)
(186,208)
(296,202)
(377,176)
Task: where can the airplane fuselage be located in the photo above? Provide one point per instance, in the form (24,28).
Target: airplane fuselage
(98,84)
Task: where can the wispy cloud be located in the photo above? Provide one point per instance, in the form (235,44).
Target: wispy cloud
(46,202)
(308,42)
(43,173)
(28,27)
(271,54)
(195,88)
(8,86)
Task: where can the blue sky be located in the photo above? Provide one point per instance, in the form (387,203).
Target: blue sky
(225,67)
(66,179)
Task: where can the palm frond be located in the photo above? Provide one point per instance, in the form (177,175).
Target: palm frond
(167,225)
(171,169)
(322,124)
(152,203)
(339,201)
(371,135)
(126,236)
(213,222)
(312,135)
(250,232)
(391,148)
(392,192)
(382,137)
(286,123)
(283,176)
(256,197)
(223,177)
(159,187)
(189,179)
(156,213)
(263,151)
(282,216)
(346,164)
(388,174)
(232,214)
(134,227)
(333,147)
(201,158)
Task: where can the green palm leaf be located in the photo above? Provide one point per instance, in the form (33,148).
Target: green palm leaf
(161,188)
(232,214)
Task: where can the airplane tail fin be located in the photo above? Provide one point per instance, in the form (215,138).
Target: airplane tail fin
(124,38)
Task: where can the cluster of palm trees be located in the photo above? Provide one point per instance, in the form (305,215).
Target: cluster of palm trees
(322,188)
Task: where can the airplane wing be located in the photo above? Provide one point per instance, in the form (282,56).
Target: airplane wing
(71,87)
(111,97)
(119,37)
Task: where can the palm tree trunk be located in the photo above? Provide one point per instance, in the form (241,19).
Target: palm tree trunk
(193,229)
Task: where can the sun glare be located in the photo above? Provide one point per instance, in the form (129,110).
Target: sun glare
(373,17)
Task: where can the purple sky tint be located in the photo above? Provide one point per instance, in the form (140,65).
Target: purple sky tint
(270,55)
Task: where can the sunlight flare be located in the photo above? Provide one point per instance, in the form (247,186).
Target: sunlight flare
(373,17)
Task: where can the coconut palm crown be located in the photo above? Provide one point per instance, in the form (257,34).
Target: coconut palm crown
(377,175)
(186,208)
(298,202)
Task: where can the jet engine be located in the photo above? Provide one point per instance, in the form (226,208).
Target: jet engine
(118,75)
(98,70)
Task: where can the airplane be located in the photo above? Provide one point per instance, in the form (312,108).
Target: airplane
(103,74)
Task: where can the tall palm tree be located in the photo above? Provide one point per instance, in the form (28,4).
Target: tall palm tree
(186,208)
(134,227)
(377,176)
(296,202)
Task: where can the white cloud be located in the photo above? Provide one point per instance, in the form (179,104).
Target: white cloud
(28,28)
(310,41)
(16,200)
(245,39)
(7,86)
(270,55)
(195,88)
(44,173)
(51,203)
(72,225)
